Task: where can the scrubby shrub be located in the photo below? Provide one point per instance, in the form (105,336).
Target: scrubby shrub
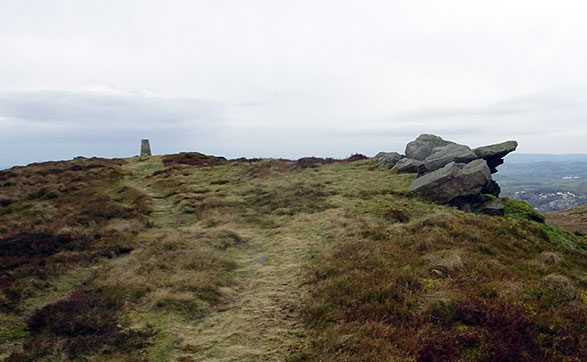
(494,332)
(29,244)
(311,162)
(356,157)
(84,324)
(193,159)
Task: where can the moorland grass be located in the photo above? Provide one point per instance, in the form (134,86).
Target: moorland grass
(355,267)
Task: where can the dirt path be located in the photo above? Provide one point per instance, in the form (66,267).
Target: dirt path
(258,320)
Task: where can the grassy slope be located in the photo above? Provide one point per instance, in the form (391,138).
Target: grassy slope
(573,220)
(356,269)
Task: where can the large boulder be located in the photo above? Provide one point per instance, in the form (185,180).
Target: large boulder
(446,154)
(409,165)
(452,181)
(495,153)
(423,146)
(388,159)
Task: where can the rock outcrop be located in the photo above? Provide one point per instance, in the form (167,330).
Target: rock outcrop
(452,181)
(451,173)
(388,159)
(436,152)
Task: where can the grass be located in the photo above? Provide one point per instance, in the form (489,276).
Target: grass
(355,268)
(444,285)
(522,210)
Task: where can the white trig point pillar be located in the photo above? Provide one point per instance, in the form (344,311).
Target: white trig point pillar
(145,148)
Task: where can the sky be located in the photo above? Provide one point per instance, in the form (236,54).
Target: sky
(273,78)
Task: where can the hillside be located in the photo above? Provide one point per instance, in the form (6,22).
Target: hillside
(573,220)
(190,257)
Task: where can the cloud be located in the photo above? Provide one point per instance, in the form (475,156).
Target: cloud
(107,108)
(42,123)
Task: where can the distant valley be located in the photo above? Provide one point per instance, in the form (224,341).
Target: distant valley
(548,182)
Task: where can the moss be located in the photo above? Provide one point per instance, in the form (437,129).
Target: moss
(521,210)
(565,240)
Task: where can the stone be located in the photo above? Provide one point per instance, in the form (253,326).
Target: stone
(450,153)
(452,181)
(473,177)
(450,173)
(388,159)
(260,260)
(408,165)
(491,188)
(495,153)
(423,146)
(145,148)
(493,208)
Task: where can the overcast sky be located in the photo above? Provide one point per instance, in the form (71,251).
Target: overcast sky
(288,78)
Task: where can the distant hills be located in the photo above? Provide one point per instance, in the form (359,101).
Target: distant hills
(544,157)
(548,182)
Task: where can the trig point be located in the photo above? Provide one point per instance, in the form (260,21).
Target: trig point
(145,148)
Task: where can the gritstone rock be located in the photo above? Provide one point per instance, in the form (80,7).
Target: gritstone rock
(444,155)
(409,165)
(452,181)
(495,153)
(493,208)
(423,146)
(388,159)
(451,173)
(492,188)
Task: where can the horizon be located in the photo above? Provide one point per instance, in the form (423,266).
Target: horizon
(509,156)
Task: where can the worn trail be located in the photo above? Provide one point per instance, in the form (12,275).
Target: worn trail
(258,319)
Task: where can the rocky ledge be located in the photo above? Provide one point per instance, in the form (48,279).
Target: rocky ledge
(451,173)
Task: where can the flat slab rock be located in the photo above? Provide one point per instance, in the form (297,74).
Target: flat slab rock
(494,154)
(496,150)
(452,181)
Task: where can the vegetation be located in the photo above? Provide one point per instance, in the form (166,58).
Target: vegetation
(521,210)
(573,220)
(191,257)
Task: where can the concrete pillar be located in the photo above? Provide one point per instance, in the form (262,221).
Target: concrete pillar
(145,148)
